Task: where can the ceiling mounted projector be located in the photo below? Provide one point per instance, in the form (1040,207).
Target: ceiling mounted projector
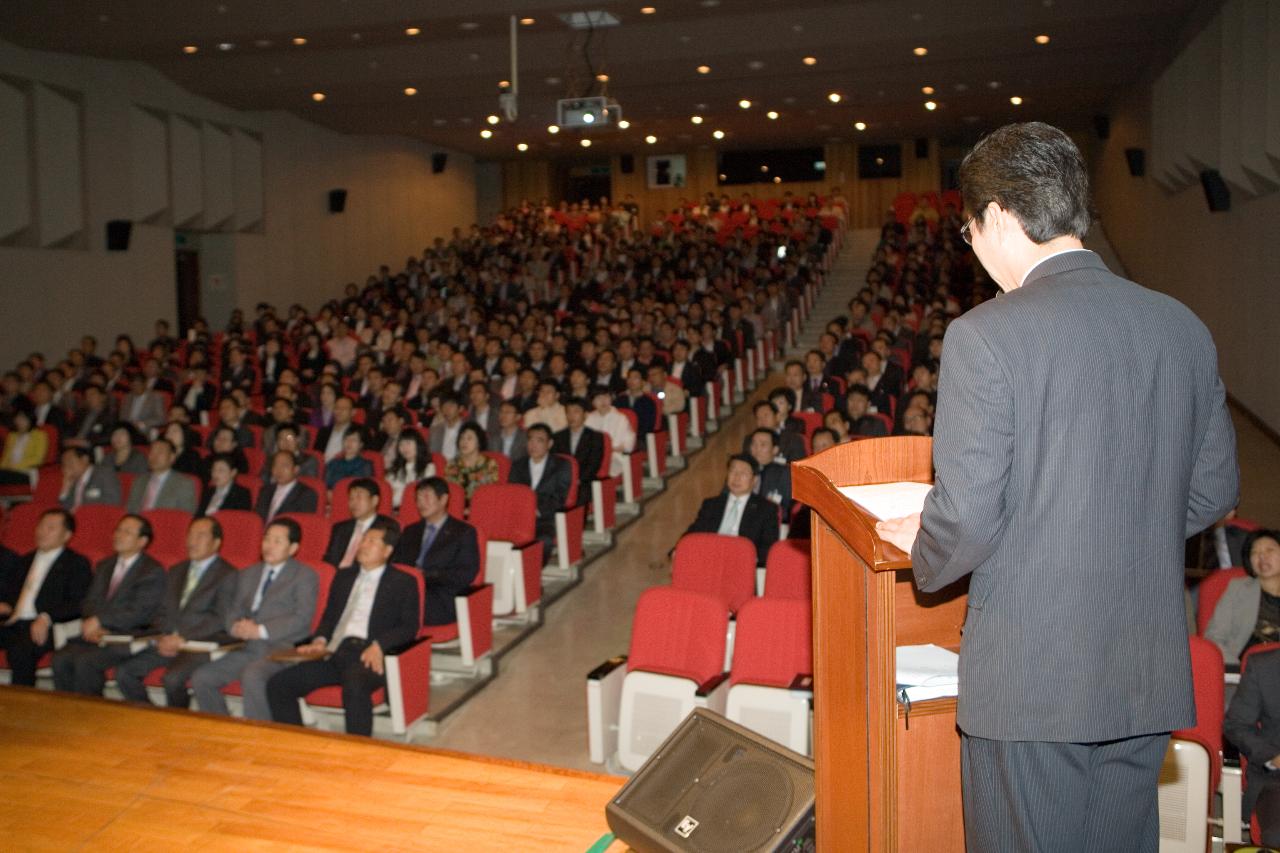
(587,112)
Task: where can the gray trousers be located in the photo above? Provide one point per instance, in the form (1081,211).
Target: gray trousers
(131,674)
(251,667)
(1040,797)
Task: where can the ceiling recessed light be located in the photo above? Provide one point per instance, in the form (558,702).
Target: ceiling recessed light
(771,115)
(553,128)
(468,25)
(859,125)
(704,69)
(522,146)
(647,10)
(486,133)
(1016,101)
(299,40)
(920,51)
(777,179)
(624,124)
(262,42)
(994,84)
(528,22)
(1042,39)
(226,45)
(834,97)
(718,134)
(930,105)
(651,139)
(317,96)
(410,91)
(755,65)
(492,119)
(412,31)
(744,104)
(810,60)
(696,119)
(603,78)
(926,90)
(585,143)
(189,49)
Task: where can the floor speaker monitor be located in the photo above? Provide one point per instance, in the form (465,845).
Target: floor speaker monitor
(716,787)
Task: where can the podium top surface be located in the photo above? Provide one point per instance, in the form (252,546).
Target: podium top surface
(816,480)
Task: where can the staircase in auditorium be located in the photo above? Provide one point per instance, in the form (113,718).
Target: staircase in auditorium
(848,275)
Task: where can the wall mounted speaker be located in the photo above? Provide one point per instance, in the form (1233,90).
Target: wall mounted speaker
(438,162)
(1137,158)
(118,233)
(627,163)
(922,149)
(1102,126)
(1216,192)
(337,201)
(715,786)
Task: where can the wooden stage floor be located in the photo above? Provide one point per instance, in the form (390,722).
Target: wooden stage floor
(91,773)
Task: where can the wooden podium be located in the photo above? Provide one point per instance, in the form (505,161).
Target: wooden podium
(886,780)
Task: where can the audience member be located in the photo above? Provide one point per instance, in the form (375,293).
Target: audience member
(413,462)
(582,443)
(737,511)
(471,468)
(549,476)
(162,487)
(284,494)
(344,539)
(1248,612)
(444,549)
(1253,724)
(222,491)
(24,451)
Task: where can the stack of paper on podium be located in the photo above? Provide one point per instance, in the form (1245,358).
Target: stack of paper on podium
(927,672)
(888,500)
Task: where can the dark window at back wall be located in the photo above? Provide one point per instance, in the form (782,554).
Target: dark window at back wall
(762,167)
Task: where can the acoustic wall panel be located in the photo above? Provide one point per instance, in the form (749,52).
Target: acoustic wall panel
(59,170)
(186,183)
(219,190)
(1230,159)
(246,155)
(1273,81)
(15,161)
(1204,91)
(1252,98)
(148,164)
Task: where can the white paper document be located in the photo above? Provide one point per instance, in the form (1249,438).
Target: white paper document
(928,672)
(888,500)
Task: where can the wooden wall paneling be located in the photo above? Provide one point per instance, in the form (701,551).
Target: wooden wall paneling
(1231,155)
(1273,80)
(60,204)
(15,161)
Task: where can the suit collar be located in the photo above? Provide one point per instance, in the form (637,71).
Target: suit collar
(1072,259)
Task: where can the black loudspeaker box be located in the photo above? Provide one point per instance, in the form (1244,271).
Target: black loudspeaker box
(1137,158)
(627,162)
(1102,126)
(716,787)
(337,201)
(922,149)
(1216,191)
(438,162)
(118,233)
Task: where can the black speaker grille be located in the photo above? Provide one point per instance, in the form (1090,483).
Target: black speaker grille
(675,772)
(741,807)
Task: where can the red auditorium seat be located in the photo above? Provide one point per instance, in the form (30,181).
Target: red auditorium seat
(1193,761)
(604,491)
(812,422)
(507,514)
(317,485)
(472,634)
(633,471)
(20,526)
(571,521)
(241,536)
(721,566)
(773,647)
(257,461)
(169,544)
(253,484)
(658,441)
(1211,590)
(94,525)
(675,664)
(504,464)
(788,572)
(315,535)
(378,462)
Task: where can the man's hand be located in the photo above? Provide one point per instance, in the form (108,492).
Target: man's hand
(372,657)
(900,531)
(40,630)
(91,630)
(169,645)
(318,646)
(245,629)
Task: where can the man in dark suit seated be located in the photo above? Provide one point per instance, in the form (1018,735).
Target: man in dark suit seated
(637,400)
(345,536)
(124,598)
(197,600)
(583,444)
(285,493)
(37,589)
(736,511)
(444,549)
(790,443)
(1253,725)
(858,404)
(222,490)
(93,421)
(774,480)
(372,610)
(550,478)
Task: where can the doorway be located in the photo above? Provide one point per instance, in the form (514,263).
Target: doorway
(187,280)
(589,182)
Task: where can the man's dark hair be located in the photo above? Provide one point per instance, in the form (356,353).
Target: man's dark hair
(748,460)
(773,436)
(1034,171)
(144,526)
(228,458)
(82,452)
(821,430)
(167,443)
(859,389)
(368,484)
(783,393)
(764,404)
(390,531)
(68,520)
(540,427)
(436,484)
(215,526)
(291,527)
(576,401)
(1249,541)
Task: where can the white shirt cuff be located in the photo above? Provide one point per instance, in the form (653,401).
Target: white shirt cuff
(262,632)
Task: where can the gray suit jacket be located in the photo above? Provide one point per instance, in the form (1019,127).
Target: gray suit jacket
(286,610)
(177,492)
(1081,437)
(518,442)
(103,488)
(150,413)
(1234,617)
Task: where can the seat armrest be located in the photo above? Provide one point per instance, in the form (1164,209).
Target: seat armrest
(604,707)
(607,667)
(712,684)
(802,683)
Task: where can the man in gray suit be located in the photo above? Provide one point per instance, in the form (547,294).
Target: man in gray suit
(197,600)
(1070,506)
(162,487)
(143,409)
(274,605)
(86,483)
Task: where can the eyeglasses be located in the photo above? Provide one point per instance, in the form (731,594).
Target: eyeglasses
(965,234)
